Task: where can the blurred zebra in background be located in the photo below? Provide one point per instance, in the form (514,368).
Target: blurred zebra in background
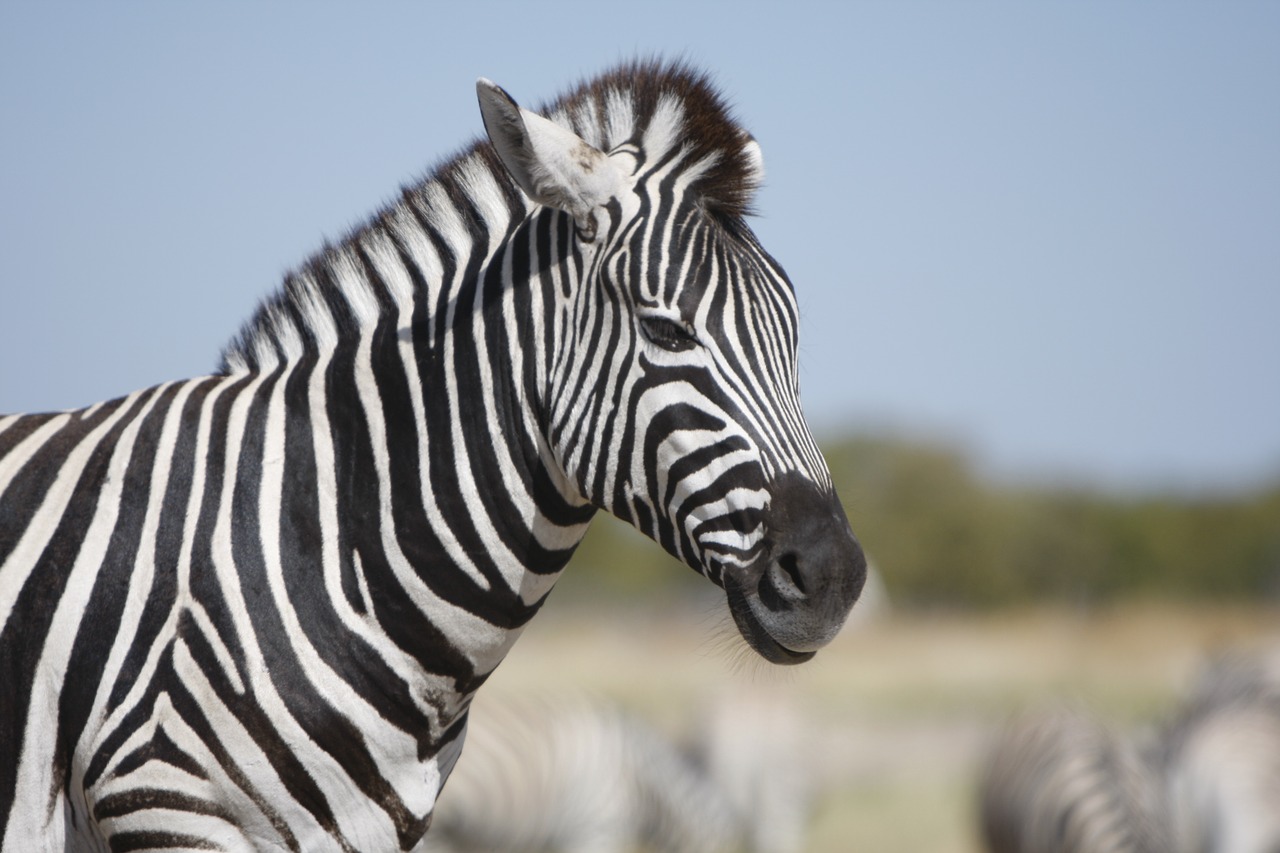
(1219,758)
(1207,781)
(577,774)
(1059,781)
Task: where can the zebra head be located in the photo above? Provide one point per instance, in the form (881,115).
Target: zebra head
(672,400)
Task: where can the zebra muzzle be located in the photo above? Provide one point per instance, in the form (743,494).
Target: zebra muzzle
(796,596)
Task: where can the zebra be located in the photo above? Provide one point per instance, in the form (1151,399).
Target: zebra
(1058,781)
(1205,781)
(1219,757)
(577,774)
(250,610)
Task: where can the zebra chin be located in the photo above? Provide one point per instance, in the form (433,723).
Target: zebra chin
(795,597)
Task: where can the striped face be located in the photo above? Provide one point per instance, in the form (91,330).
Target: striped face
(687,334)
(673,400)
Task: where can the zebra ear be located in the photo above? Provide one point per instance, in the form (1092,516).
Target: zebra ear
(553,165)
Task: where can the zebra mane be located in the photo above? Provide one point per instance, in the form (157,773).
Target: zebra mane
(622,104)
(664,107)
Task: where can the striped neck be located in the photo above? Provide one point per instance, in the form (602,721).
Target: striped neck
(423,341)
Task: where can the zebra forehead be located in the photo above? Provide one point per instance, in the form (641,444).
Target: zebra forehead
(669,107)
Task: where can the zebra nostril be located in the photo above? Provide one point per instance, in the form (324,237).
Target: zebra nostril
(781,587)
(789,564)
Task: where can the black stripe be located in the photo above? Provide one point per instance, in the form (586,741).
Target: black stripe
(123,842)
(160,748)
(142,799)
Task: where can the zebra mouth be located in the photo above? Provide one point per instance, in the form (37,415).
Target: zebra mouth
(754,632)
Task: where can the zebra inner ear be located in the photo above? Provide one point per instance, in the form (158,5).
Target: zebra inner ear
(553,165)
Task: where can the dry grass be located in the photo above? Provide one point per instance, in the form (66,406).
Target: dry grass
(898,711)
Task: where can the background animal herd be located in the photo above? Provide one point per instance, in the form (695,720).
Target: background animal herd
(1089,729)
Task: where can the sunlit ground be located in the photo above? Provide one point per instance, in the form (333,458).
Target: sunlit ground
(897,713)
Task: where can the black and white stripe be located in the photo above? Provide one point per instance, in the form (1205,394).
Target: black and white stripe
(249,610)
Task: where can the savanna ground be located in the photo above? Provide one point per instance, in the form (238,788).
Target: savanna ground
(898,711)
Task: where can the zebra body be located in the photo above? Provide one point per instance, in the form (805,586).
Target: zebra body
(249,610)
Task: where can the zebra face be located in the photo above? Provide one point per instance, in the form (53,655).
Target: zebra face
(674,401)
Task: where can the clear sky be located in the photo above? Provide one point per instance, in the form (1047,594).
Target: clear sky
(1048,231)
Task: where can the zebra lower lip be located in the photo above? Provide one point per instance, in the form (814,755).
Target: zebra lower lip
(755,633)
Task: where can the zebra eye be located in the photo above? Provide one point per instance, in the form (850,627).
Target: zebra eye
(668,334)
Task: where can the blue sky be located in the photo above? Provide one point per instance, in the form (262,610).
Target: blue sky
(1050,232)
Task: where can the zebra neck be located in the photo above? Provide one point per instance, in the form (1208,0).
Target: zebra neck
(417,352)
(443,400)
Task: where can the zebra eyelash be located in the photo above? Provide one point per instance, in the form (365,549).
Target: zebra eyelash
(668,334)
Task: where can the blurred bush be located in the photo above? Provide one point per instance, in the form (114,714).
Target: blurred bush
(944,536)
